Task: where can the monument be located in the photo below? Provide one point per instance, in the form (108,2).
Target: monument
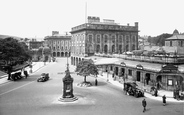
(68,87)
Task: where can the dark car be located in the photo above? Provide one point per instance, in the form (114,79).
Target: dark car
(44,77)
(132,89)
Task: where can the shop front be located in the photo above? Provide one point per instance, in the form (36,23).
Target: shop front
(170,78)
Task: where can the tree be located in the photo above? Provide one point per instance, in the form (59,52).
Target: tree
(160,39)
(12,53)
(86,68)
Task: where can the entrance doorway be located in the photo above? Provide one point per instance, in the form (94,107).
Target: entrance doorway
(122,70)
(116,70)
(147,78)
(159,81)
(138,75)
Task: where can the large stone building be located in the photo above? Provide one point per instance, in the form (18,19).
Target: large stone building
(164,69)
(60,45)
(105,37)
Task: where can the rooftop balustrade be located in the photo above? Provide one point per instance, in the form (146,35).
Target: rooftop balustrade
(103,26)
(153,59)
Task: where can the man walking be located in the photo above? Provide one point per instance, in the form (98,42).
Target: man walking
(164,100)
(144,105)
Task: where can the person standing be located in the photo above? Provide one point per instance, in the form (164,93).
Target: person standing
(144,105)
(164,100)
(96,82)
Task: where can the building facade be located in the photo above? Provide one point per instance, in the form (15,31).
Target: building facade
(60,45)
(105,37)
(175,43)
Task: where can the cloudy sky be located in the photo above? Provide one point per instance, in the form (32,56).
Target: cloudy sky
(38,18)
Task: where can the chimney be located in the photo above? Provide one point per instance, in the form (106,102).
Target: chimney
(136,24)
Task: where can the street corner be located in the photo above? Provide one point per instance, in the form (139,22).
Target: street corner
(81,100)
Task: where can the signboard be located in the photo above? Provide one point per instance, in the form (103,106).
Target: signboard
(123,64)
(169,68)
(139,66)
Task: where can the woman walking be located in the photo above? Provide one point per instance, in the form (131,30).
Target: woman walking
(164,100)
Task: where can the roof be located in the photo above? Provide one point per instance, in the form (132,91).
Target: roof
(176,37)
(106,61)
(58,37)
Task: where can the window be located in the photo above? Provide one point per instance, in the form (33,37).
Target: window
(127,39)
(106,38)
(170,43)
(120,39)
(113,39)
(134,38)
(98,38)
(170,82)
(90,38)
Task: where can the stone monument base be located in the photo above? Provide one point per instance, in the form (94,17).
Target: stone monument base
(68,99)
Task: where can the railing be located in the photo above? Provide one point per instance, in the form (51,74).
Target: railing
(153,59)
(103,26)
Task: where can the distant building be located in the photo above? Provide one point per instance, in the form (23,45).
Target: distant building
(34,45)
(105,37)
(60,45)
(175,43)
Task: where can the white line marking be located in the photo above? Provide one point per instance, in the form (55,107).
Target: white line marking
(16,88)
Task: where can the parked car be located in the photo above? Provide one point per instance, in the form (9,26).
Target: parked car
(132,89)
(44,77)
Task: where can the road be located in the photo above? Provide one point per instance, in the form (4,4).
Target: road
(28,97)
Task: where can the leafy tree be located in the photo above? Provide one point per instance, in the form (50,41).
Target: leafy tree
(12,53)
(86,68)
(160,39)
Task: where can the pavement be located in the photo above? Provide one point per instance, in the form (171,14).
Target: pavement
(36,67)
(168,94)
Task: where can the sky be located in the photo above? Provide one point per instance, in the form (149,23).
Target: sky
(38,18)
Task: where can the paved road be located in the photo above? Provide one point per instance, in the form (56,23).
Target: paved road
(28,97)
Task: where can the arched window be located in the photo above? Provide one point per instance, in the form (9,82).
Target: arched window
(98,48)
(126,49)
(133,47)
(113,48)
(98,38)
(120,49)
(105,49)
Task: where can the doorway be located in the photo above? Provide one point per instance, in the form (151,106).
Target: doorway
(138,75)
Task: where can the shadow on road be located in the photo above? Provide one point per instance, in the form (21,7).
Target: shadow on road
(99,83)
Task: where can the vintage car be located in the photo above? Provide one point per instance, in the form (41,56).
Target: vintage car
(131,89)
(44,77)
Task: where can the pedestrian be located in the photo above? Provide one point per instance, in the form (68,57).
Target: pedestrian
(96,82)
(156,92)
(164,100)
(144,104)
